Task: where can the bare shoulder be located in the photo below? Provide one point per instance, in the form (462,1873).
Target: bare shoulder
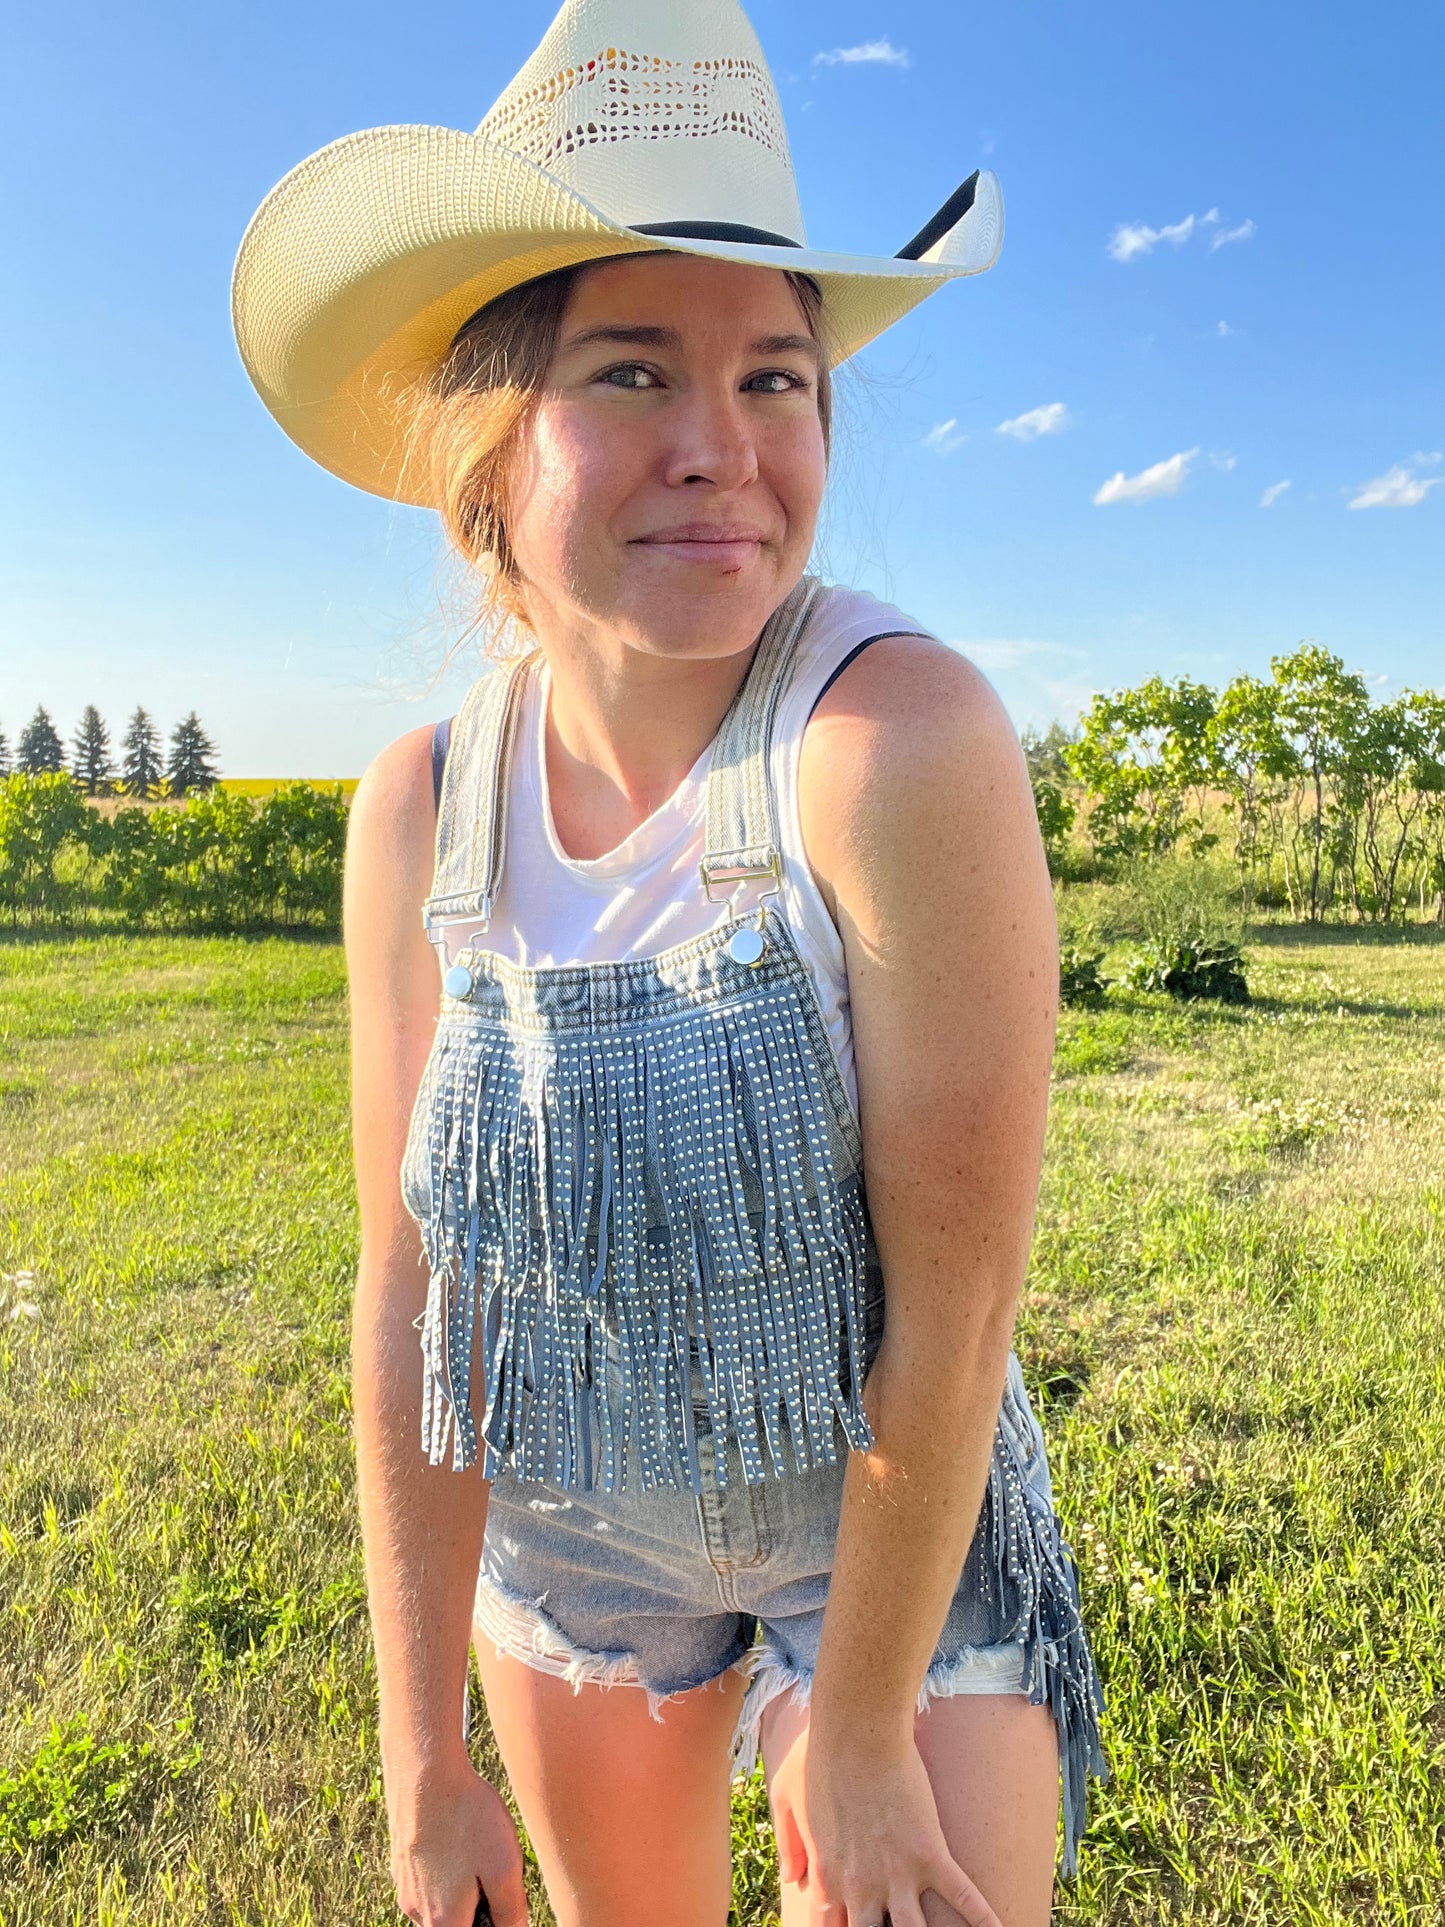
(910,766)
(390,848)
(394,983)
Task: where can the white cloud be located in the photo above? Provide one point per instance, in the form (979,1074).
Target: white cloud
(1164,478)
(873,52)
(1223,330)
(1222,459)
(1398,487)
(1047,420)
(945,437)
(1225,235)
(1272,494)
(1131,239)
(1127,241)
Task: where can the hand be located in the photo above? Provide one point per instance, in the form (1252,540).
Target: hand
(860,1836)
(452,1839)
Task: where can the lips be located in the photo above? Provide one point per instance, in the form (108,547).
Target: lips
(726,545)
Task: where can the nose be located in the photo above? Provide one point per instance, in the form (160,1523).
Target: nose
(712,439)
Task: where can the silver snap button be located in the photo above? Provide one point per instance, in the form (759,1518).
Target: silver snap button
(458,981)
(746,946)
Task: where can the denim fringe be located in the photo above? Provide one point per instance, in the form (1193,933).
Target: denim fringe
(601,1185)
(1029,1561)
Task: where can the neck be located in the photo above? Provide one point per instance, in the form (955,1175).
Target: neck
(624,726)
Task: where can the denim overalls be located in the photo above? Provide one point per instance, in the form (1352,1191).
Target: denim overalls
(640,1192)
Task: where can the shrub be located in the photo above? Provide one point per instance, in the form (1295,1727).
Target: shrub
(1080,979)
(1190,968)
(220,861)
(40,815)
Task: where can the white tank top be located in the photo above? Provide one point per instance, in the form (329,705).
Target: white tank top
(646,894)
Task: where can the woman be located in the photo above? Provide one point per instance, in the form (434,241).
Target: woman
(674,1437)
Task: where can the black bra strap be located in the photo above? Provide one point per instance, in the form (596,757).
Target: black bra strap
(856,650)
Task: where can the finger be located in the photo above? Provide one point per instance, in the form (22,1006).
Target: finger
(792,1851)
(507,1899)
(876,1914)
(953,1885)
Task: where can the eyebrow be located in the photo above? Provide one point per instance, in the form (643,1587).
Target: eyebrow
(643,336)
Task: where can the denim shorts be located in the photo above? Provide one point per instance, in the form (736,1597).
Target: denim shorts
(666,1590)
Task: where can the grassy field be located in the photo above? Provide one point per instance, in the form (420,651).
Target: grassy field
(1232,1329)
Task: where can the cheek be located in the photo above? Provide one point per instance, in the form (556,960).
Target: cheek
(568,483)
(796,467)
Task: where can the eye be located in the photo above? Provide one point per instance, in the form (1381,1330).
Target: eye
(785,376)
(621,376)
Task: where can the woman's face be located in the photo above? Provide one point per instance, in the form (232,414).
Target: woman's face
(665,489)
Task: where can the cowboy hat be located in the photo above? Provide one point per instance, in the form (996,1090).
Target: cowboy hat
(636,126)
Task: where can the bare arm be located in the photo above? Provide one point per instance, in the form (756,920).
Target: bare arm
(421,1525)
(919,820)
(920,815)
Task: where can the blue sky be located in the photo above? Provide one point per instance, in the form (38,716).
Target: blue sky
(1223,271)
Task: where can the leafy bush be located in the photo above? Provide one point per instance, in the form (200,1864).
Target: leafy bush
(1189,969)
(1080,979)
(1187,929)
(41,818)
(220,861)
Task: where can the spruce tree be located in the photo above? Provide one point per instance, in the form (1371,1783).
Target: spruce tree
(141,768)
(192,760)
(90,761)
(40,747)
(4,755)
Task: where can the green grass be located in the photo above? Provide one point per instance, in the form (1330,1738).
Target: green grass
(1232,1330)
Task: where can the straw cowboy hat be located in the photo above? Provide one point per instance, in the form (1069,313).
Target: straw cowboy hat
(636,126)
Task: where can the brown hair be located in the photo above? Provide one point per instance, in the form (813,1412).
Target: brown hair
(466,414)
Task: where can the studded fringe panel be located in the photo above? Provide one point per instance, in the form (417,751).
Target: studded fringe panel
(600,1152)
(1037,1585)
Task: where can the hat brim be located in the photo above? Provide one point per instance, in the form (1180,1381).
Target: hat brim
(358,268)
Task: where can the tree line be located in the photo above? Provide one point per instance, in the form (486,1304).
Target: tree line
(1326,799)
(188,767)
(1327,802)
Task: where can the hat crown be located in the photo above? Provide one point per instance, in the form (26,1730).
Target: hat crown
(655,110)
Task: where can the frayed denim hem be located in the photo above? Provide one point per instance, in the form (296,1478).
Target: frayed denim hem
(977,1669)
(519,1628)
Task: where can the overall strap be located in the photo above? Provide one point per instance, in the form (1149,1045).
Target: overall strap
(472,811)
(742,821)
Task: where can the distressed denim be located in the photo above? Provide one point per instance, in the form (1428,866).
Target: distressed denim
(667,1590)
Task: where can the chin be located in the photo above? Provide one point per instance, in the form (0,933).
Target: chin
(705,619)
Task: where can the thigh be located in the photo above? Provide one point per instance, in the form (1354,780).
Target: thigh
(628,1816)
(993,1763)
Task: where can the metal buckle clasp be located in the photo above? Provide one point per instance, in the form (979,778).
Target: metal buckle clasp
(445,910)
(741,873)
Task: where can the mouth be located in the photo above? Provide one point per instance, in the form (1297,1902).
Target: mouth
(725,545)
